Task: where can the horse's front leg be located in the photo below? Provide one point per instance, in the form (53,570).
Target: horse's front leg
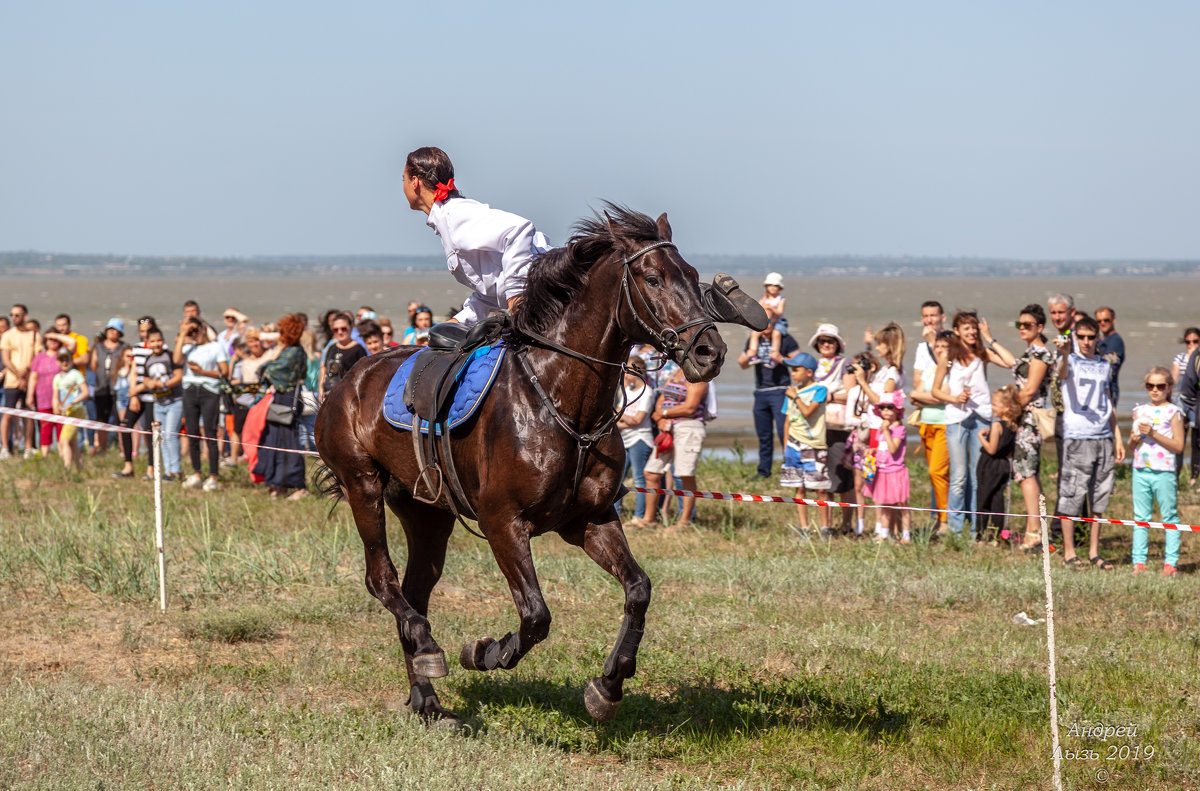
(604,542)
(509,541)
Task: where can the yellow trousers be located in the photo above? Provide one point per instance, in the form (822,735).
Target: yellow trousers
(937,456)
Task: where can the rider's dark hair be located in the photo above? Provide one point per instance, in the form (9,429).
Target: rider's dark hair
(432,166)
(557,276)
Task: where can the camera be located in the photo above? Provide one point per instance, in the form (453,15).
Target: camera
(864,362)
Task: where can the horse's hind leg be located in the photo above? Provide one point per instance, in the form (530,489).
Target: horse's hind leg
(604,542)
(509,541)
(428,530)
(364,493)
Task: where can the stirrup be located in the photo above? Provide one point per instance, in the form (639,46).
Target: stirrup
(725,301)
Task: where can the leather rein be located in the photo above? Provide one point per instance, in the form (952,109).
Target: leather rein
(666,338)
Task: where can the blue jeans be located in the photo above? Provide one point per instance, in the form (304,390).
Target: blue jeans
(307,425)
(170,415)
(962,440)
(769,422)
(636,458)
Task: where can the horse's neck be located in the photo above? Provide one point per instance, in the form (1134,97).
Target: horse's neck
(584,391)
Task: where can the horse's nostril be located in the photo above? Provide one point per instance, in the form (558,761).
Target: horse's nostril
(705,352)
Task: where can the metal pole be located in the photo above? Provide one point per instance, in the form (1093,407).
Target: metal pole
(1057,749)
(156,445)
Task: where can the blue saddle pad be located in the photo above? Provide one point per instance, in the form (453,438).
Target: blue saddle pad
(471,386)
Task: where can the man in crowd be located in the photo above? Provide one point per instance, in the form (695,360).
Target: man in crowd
(17,347)
(1091,436)
(770,386)
(62,325)
(1111,347)
(191,310)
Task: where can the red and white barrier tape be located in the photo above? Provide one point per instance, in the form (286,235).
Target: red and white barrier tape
(770,498)
(99,426)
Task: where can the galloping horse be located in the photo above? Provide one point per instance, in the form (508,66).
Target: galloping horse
(521,460)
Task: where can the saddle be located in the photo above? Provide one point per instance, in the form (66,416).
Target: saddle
(429,394)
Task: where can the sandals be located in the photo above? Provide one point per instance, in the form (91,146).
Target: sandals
(1100,563)
(1075,564)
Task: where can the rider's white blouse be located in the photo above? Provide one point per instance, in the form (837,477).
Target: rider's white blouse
(487,250)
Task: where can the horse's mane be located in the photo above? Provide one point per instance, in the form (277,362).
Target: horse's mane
(557,276)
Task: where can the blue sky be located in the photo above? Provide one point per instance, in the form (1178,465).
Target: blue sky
(1032,130)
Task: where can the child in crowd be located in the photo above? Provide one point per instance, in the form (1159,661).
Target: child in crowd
(773,302)
(805,454)
(372,336)
(890,485)
(70,391)
(994,469)
(1155,440)
(1091,438)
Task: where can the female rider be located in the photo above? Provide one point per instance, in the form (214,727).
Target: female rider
(486,249)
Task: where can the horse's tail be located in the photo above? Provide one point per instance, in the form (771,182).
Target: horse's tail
(327,483)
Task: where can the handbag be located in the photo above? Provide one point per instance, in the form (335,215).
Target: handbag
(664,443)
(1044,418)
(283,414)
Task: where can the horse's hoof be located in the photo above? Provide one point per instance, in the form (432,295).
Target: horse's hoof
(430,665)
(471,657)
(598,706)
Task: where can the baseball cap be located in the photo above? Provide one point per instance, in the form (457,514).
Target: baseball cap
(802,360)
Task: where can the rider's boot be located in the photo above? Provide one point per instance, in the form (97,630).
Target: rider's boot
(725,301)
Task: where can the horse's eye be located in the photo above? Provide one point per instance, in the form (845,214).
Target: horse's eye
(652,280)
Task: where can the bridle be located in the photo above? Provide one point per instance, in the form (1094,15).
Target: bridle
(667,338)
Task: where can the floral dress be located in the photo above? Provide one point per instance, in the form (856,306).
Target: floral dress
(1027,450)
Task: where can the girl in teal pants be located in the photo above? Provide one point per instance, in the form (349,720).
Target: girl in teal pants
(1156,439)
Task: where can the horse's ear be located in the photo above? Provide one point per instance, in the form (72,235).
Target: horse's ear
(664,227)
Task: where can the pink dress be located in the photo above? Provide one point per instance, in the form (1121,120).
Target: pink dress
(890,486)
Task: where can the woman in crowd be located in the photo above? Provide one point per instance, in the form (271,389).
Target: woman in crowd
(162,381)
(933,428)
(1187,401)
(123,375)
(886,376)
(834,372)
(40,393)
(103,360)
(279,464)
(340,356)
(139,416)
(680,415)
(422,320)
(636,434)
(1031,375)
(961,384)
(204,365)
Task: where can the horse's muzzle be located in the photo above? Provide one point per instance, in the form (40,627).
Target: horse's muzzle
(704,359)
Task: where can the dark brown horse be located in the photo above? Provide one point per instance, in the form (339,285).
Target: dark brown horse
(619,281)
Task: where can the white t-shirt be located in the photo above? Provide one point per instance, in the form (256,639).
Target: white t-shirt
(888,373)
(1087,408)
(1149,455)
(639,398)
(924,358)
(973,379)
(487,250)
(207,356)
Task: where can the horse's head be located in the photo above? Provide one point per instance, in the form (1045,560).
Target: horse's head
(620,277)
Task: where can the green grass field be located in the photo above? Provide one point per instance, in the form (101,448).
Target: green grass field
(768,662)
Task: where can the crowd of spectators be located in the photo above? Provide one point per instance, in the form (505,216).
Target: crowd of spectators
(201,385)
(838,417)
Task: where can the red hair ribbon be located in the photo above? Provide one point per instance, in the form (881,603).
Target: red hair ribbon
(443,190)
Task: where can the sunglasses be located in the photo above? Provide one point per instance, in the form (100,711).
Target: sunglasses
(1024,325)
(341,329)
(1085,337)
(1157,385)
(827,340)
(1104,321)
(1192,341)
